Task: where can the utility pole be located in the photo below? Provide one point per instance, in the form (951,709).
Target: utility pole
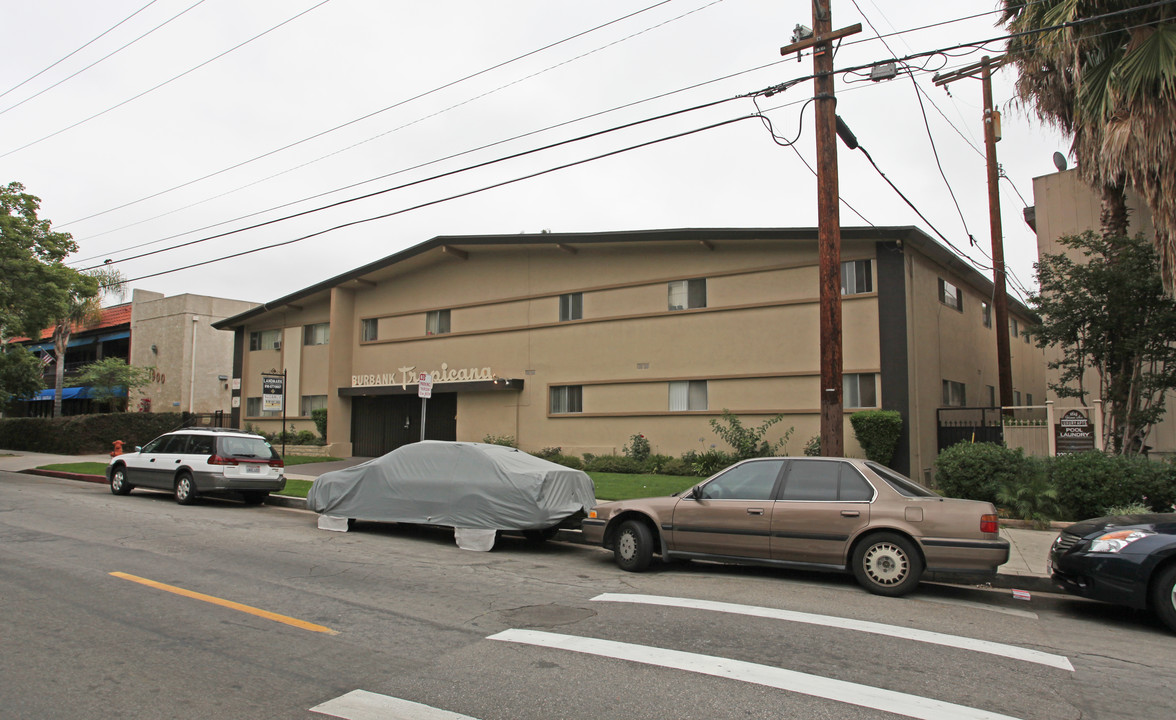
(1000,302)
(829,220)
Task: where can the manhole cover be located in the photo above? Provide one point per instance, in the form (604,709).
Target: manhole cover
(544,616)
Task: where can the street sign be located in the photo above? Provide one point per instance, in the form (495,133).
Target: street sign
(272,393)
(425,386)
(1074,433)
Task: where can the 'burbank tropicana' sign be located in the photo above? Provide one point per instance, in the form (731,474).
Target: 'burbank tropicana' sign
(406,376)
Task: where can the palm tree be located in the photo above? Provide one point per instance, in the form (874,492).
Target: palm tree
(1110,85)
(85,308)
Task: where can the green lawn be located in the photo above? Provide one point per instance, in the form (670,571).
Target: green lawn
(99,468)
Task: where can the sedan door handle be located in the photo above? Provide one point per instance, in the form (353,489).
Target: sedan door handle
(152,459)
(850,513)
(755,511)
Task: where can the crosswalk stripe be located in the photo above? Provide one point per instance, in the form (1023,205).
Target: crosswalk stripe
(364,705)
(926,636)
(814,685)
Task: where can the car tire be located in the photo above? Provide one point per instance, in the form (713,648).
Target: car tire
(634,546)
(254,497)
(185,490)
(118,481)
(887,564)
(1163,597)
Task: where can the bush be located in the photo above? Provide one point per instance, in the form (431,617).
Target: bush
(320,421)
(655,464)
(505,440)
(677,466)
(710,462)
(749,442)
(812,448)
(548,452)
(567,461)
(638,448)
(1088,483)
(877,431)
(978,471)
(1031,497)
(612,464)
(85,434)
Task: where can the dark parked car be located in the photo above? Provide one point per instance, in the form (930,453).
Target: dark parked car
(1125,560)
(837,514)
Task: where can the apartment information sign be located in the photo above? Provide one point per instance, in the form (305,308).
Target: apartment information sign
(1074,433)
(272,392)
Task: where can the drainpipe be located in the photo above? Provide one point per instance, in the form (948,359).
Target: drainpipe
(192,371)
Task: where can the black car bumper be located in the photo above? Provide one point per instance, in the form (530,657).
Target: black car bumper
(1111,578)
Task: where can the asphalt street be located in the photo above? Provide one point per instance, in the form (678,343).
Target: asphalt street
(135,607)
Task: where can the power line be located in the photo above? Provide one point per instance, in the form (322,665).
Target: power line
(37,74)
(165,82)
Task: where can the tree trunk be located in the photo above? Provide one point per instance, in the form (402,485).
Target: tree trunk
(1113,216)
(60,340)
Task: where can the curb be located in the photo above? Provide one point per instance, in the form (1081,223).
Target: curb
(85,477)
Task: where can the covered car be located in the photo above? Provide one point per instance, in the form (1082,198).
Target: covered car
(477,488)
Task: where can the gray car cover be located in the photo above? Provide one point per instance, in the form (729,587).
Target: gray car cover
(458,484)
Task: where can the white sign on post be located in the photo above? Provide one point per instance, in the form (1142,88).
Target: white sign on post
(425,385)
(272,393)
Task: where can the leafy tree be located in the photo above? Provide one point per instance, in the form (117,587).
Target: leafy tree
(749,442)
(111,380)
(83,307)
(1108,312)
(36,283)
(1111,86)
(20,375)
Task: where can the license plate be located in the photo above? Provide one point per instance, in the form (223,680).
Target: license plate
(253,469)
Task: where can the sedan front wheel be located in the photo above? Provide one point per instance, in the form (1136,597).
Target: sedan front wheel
(634,547)
(887,564)
(1164,596)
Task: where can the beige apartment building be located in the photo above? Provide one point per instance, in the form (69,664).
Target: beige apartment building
(583,340)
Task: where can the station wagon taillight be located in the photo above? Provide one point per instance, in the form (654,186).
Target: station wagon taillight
(989,524)
(221,460)
(277,462)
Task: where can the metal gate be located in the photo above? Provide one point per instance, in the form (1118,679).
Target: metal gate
(382,423)
(977,424)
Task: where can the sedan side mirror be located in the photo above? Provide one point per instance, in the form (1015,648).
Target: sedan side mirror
(696,492)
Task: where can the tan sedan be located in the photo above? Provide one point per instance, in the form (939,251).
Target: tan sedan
(838,514)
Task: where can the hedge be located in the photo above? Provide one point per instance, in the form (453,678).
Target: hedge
(85,434)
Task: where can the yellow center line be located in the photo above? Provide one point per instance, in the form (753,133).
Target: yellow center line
(227,603)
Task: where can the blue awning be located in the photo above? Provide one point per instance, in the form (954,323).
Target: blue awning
(72,393)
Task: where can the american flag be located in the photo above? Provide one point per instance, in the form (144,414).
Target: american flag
(46,359)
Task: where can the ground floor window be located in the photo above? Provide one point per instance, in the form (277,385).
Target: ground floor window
(253,409)
(688,395)
(860,390)
(954,394)
(311,403)
(567,399)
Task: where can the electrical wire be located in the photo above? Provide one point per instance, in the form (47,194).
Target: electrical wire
(41,72)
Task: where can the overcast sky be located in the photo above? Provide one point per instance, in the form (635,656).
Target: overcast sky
(164,142)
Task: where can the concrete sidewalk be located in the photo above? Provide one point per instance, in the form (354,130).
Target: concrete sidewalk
(1025,570)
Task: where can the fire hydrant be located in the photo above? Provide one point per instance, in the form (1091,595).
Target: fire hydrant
(117,448)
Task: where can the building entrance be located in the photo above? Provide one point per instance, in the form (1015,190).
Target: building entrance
(382,423)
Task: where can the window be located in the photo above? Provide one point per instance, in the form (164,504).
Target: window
(265,340)
(822,480)
(437,322)
(567,399)
(1029,398)
(368,329)
(313,402)
(950,295)
(1025,335)
(253,409)
(754,480)
(858,390)
(201,445)
(688,395)
(317,334)
(856,277)
(571,306)
(1017,398)
(954,394)
(1013,330)
(687,294)
(901,483)
(991,396)
(986,313)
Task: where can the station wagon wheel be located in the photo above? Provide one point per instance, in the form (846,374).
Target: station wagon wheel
(1164,596)
(185,489)
(118,481)
(887,564)
(634,546)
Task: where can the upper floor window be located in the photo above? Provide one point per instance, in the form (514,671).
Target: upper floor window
(857,277)
(437,322)
(1014,329)
(859,390)
(950,295)
(571,306)
(1017,398)
(317,334)
(687,294)
(567,399)
(265,340)
(954,394)
(688,395)
(986,313)
(991,395)
(369,329)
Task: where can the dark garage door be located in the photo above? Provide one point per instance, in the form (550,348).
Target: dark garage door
(382,423)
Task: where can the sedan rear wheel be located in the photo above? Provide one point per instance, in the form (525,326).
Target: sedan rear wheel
(887,564)
(634,547)
(118,481)
(185,489)
(1164,596)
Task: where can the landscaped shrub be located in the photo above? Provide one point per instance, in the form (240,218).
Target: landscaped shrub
(710,462)
(749,442)
(567,461)
(505,440)
(612,464)
(548,452)
(1031,496)
(320,421)
(85,434)
(638,448)
(978,471)
(677,466)
(1091,482)
(877,431)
